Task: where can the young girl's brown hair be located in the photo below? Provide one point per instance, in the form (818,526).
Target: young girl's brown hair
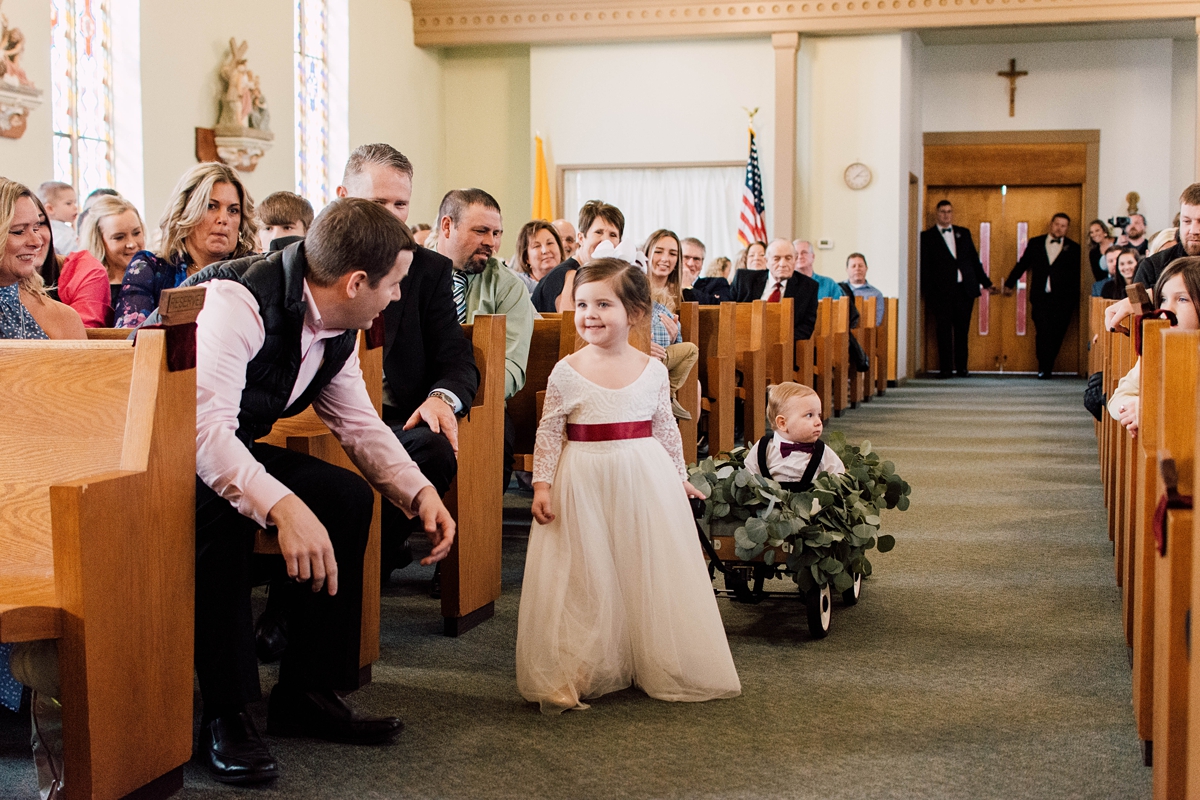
(1189,268)
(628,281)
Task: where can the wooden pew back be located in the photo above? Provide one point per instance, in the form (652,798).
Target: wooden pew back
(751,360)
(779,331)
(523,406)
(823,355)
(718,373)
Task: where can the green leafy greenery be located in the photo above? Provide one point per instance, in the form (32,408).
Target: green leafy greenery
(825,532)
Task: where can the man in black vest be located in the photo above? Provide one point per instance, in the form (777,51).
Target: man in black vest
(277,334)
(429,372)
(1052,261)
(950,279)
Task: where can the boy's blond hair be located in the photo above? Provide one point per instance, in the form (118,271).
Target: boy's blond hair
(779,395)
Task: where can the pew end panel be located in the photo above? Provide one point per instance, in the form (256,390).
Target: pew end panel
(891,321)
(841,355)
(751,360)
(718,373)
(471,572)
(689,393)
(105,534)
(823,357)
(523,407)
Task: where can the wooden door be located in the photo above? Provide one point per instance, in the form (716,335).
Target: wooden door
(998,217)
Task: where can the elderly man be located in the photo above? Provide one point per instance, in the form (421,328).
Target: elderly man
(566,232)
(781,279)
(429,372)
(693,259)
(856,283)
(469,228)
(826,286)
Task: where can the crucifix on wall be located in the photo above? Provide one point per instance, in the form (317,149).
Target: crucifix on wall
(1012,76)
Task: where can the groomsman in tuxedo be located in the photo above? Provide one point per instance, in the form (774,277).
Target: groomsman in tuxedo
(1052,261)
(781,279)
(951,276)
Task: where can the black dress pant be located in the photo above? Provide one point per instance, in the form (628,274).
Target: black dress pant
(1050,325)
(323,631)
(435,457)
(953,319)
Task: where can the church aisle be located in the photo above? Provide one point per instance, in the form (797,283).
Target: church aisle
(985,660)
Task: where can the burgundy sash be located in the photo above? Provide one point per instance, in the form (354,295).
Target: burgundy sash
(610,431)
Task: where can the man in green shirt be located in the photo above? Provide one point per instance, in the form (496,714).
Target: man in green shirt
(469,228)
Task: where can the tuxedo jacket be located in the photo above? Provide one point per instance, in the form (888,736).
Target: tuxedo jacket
(749,285)
(940,268)
(424,346)
(1063,274)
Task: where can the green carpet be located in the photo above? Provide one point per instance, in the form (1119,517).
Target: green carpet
(985,660)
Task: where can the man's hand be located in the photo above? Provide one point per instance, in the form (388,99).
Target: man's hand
(304,542)
(692,491)
(439,416)
(1006,291)
(993,289)
(1129,416)
(541,503)
(439,525)
(1115,313)
(658,351)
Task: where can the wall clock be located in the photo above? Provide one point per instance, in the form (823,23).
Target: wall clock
(857,175)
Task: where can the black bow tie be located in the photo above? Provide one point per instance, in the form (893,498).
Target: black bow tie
(787,448)
(946,230)
(1056,241)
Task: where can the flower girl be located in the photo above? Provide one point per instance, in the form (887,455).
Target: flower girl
(616,592)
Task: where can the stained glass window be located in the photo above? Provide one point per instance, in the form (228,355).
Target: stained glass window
(312,101)
(81,64)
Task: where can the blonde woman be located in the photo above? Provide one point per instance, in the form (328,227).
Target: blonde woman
(26,311)
(210,218)
(113,233)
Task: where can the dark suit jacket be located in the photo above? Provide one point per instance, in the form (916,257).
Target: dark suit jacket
(1151,267)
(551,286)
(749,285)
(424,346)
(709,292)
(939,269)
(1063,274)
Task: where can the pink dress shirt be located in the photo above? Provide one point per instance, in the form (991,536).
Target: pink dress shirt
(229,333)
(83,285)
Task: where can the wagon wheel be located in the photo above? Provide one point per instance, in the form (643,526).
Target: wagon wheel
(819,606)
(851,595)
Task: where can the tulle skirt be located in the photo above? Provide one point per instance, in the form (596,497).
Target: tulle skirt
(616,592)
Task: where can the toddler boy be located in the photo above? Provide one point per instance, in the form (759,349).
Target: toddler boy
(62,207)
(793,454)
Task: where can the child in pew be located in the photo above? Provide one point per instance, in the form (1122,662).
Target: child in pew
(62,207)
(792,454)
(284,218)
(615,592)
(1177,291)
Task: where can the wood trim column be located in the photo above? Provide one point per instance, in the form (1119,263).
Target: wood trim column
(783,206)
(1196,168)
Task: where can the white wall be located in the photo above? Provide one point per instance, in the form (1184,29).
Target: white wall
(1121,87)
(1183,119)
(646,103)
(30,160)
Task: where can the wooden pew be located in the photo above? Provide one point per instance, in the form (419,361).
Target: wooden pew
(689,393)
(718,373)
(523,407)
(751,359)
(891,321)
(1175,397)
(884,352)
(1144,474)
(471,573)
(823,346)
(305,433)
(1193,690)
(841,355)
(117,591)
(862,384)
(779,333)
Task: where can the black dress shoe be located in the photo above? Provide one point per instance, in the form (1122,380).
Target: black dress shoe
(1043,376)
(393,557)
(945,375)
(234,751)
(270,632)
(321,714)
(435,585)
(962,373)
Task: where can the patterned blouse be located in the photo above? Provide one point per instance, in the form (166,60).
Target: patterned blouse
(15,320)
(145,278)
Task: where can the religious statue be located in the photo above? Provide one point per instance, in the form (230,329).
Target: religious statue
(18,95)
(243,131)
(1132,199)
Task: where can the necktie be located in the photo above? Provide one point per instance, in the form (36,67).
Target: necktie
(775,295)
(459,289)
(787,448)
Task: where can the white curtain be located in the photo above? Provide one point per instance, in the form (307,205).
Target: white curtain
(703,202)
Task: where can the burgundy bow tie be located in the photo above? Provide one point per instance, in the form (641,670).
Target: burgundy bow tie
(787,448)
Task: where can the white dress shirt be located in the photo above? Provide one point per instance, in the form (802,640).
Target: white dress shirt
(1053,248)
(948,238)
(770,287)
(229,334)
(791,468)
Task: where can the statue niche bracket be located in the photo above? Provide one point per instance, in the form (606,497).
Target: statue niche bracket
(243,131)
(18,95)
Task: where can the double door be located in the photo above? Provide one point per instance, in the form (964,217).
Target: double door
(1001,220)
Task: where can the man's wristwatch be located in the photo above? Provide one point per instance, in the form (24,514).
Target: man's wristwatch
(445,398)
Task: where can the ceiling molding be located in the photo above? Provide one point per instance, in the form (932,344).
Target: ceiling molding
(474,22)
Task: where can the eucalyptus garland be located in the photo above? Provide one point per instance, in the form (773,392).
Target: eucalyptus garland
(825,532)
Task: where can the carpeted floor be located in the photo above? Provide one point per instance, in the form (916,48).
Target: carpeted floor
(985,660)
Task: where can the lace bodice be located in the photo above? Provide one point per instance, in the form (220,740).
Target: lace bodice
(570,397)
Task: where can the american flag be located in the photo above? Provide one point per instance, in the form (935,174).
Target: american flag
(751,227)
